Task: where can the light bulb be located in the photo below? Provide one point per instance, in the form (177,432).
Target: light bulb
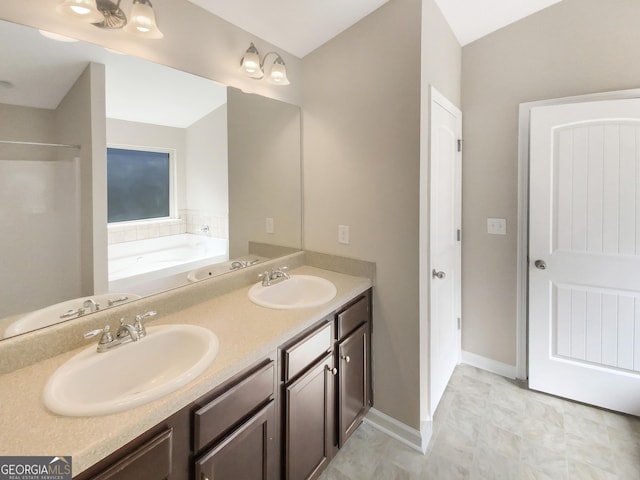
(278,74)
(80,10)
(143,20)
(250,63)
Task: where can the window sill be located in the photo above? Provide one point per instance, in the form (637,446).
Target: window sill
(160,222)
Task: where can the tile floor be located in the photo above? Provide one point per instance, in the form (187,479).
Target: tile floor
(488,427)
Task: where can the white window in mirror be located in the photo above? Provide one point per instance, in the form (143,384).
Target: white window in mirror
(139,184)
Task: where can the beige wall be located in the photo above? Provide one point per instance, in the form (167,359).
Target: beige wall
(207,172)
(264,171)
(361,151)
(572,48)
(80,118)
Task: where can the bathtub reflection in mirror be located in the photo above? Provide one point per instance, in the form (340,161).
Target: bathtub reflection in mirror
(226,150)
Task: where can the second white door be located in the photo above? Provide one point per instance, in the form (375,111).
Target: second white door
(584,252)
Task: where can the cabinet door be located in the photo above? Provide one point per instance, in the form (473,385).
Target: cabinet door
(309,422)
(152,461)
(353,372)
(248,453)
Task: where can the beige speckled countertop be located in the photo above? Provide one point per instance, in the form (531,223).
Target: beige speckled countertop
(247,333)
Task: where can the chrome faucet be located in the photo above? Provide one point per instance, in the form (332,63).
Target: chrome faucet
(274,276)
(243,263)
(91,304)
(204,229)
(126,333)
(238,264)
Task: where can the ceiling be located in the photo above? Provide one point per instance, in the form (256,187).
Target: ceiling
(301,26)
(473,19)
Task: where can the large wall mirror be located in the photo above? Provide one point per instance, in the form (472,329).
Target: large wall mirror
(120,178)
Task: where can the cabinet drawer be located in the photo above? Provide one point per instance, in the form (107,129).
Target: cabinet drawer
(248,453)
(353,316)
(151,460)
(301,354)
(218,416)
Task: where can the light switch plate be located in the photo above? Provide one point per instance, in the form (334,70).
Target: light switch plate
(497,226)
(343,234)
(268,225)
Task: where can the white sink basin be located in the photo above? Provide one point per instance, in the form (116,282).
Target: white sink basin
(299,291)
(52,314)
(131,374)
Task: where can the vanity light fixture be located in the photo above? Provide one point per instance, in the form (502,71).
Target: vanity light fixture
(107,14)
(253,67)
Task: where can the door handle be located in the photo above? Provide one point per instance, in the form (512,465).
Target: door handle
(540,264)
(440,275)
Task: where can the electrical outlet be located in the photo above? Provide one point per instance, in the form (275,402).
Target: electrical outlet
(343,234)
(268,225)
(497,226)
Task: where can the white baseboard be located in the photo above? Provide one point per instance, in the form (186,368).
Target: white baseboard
(493,366)
(418,440)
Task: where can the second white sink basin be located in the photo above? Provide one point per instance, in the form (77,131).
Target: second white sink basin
(299,291)
(131,374)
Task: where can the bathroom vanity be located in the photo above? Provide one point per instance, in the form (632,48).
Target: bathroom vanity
(284,417)
(287,389)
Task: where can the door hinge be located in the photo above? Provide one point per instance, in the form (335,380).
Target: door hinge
(458,235)
(459,144)
(459,323)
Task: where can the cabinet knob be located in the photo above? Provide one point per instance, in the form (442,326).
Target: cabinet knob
(346,358)
(334,370)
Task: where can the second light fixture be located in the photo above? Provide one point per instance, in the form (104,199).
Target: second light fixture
(253,67)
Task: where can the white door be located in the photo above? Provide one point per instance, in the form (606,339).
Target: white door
(584,253)
(444,251)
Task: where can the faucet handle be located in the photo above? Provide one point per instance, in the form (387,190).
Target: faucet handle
(106,337)
(280,272)
(139,326)
(71,313)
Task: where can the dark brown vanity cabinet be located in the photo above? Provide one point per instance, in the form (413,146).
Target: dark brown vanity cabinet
(326,388)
